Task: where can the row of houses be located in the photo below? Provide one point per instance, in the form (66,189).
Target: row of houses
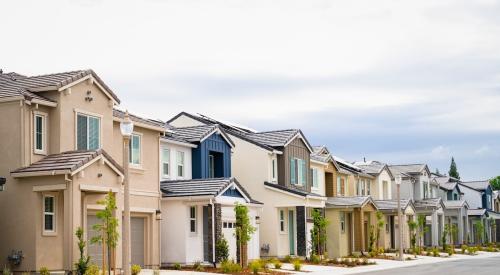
(62,152)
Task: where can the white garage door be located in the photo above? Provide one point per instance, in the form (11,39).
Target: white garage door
(137,240)
(94,250)
(228,232)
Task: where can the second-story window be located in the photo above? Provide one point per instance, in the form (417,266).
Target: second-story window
(368,187)
(180,164)
(211,166)
(340,186)
(165,162)
(273,168)
(135,149)
(315,179)
(298,171)
(88,132)
(426,190)
(40,132)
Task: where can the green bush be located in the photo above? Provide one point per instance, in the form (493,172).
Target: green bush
(136,269)
(198,267)
(255,267)
(44,271)
(315,259)
(177,266)
(297,265)
(264,264)
(288,259)
(277,264)
(464,248)
(221,250)
(230,267)
(6,270)
(156,272)
(435,252)
(92,270)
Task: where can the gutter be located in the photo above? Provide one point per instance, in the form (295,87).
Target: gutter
(213,231)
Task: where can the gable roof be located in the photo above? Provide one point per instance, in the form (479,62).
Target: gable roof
(13,84)
(140,121)
(279,138)
(321,154)
(294,191)
(479,185)
(476,212)
(433,203)
(201,187)
(392,205)
(200,133)
(455,204)
(344,202)
(69,162)
(408,169)
(374,168)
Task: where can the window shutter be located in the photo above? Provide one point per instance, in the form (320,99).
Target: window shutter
(292,171)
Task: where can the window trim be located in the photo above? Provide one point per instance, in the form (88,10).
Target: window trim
(342,218)
(135,165)
(87,114)
(315,177)
(195,219)
(211,166)
(44,117)
(54,215)
(167,175)
(273,170)
(177,164)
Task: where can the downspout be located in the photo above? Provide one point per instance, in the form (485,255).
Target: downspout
(69,188)
(213,230)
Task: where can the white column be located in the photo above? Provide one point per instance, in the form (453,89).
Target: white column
(461,226)
(434,229)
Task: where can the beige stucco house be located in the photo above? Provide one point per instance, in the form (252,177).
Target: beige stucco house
(62,151)
(274,167)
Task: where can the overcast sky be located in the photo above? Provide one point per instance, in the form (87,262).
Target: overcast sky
(395,81)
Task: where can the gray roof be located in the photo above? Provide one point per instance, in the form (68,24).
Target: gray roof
(455,204)
(373,168)
(152,122)
(198,133)
(13,84)
(445,182)
(392,205)
(406,169)
(433,203)
(478,185)
(199,187)
(65,162)
(295,191)
(343,202)
(476,212)
(276,138)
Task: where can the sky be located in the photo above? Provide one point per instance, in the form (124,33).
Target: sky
(394,81)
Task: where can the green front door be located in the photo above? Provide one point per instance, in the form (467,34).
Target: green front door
(291,232)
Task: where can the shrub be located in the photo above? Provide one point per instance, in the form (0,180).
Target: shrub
(177,266)
(315,259)
(198,267)
(277,264)
(6,270)
(297,265)
(435,252)
(230,267)
(254,267)
(464,248)
(136,269)
(44,271)
(92,270)
(264,263)
(156,272)
(288,259)
(450,250)
(83,262)
(221,250)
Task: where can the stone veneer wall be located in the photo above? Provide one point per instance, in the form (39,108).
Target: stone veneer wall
(301,231)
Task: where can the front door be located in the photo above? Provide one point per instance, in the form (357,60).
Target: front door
(392,231)
(94,250)
(291,232)
(206,232)
(137,241)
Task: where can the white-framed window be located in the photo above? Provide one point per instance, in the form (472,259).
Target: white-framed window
(342,222)
(135,148)
(282,221)
(273,169)
(339,190)
(180,164)
(387,224)
(298,171)
(49,214)
(88,132)
(211,166)
(165,162)
(426,190)
(363,188)
(40,133)
(192,219)
(368,187)
(315,179)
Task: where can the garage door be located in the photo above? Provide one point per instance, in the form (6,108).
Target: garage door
(228,232)
(94,250)
(137,240)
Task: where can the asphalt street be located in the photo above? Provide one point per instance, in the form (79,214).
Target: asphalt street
(481,266)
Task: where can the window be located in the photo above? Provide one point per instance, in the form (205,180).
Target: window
(87,132)
(426,190)
(165,159)
(342,222)
(282,221)
(273,164)
(338,186)
(192,219)
(211,166)
(368,187)
(363,189)
(49,214)
(39,132)
(314,173)
(298,171)
(135,149)
(387,224)
(455,197)
(180,164)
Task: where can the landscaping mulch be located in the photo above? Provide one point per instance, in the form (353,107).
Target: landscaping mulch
(211,269)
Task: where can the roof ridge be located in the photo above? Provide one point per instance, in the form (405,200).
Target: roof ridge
(67,72)
(274,131)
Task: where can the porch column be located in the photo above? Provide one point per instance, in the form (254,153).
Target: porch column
(460,227)
(442,225)
(68,227)
(362,227)
(214,228)
(301,231)
(434,229)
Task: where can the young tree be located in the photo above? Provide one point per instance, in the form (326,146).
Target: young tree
(318,233)
(380,226)
(83,262)
(444,236)
(243,232)
(453,169)
(479,226)
(108,229)
(495,183)
(412,226)
(422,229)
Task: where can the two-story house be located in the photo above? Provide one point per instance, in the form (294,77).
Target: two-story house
(388,205)
(199,196)
(417,186)
(456,207)
(349,207)
(479,196)
(274,167)
(63,152)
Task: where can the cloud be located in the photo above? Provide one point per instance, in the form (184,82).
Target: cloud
(483,150)
(440,152)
